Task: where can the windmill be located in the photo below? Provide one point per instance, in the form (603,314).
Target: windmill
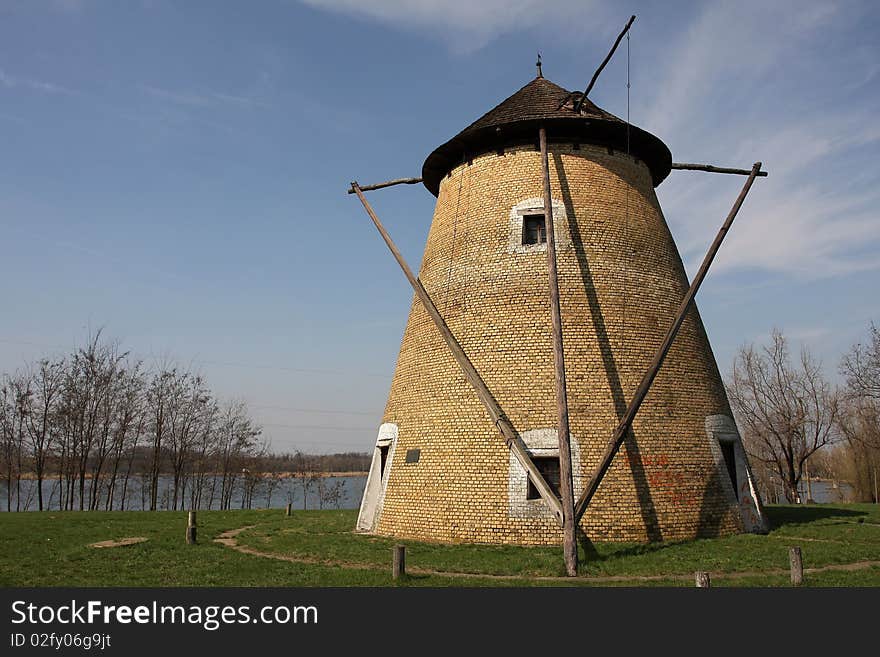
(550,275)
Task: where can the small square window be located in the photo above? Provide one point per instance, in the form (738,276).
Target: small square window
(534,230)
(549,467)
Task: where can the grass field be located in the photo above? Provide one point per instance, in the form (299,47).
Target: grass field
(318,548)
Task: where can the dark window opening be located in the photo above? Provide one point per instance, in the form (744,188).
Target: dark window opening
(383,456)
(412,455)
(534,229)
(730,462)
(548,466)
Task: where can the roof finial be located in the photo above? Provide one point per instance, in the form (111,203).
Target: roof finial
(538,64)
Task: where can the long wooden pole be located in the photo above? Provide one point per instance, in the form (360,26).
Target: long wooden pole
(577,107)
(713,169)
(388,183)
(642,391)
(569,524)
(500,420)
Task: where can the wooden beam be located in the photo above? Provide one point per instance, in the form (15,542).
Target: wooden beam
(569,524)
(642,391)
(388,183)
(713,169)
(577,107)
(499,419)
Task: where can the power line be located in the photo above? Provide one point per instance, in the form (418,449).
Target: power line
(303,370)
(291,369)
(316,426)
(312,410)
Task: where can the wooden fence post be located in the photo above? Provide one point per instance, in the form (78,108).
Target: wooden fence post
(191,528)
(399,564)
(797,566)
(702,579)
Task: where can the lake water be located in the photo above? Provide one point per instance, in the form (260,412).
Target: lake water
(291,490)
(137,498)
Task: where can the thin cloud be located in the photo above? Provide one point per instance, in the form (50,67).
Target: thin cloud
(11,82)
(209,99)
(731,93)
(465,25)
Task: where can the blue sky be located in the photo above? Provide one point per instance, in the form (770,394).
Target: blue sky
(175,172)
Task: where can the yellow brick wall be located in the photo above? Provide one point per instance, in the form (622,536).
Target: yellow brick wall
(621,279)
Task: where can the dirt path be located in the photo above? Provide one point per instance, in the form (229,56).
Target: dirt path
(228,539)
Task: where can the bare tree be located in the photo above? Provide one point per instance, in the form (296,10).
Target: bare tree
(788,412)
(158,400)
(333,493)
(305,471)
(95,417)
(129,426)
(11,421)
(271,482)
(15,407)
(861,367)
(47,385)
(204,479)
(237,435)
(189,409)
(859,423)
(860,419)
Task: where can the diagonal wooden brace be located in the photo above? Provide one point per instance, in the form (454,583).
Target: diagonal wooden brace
(642,391)
(566,488)
(577,106)
(499,419)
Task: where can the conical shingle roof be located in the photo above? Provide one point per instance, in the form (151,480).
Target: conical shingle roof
(516,121)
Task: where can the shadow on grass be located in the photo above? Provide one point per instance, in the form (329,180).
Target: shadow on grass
(619,550)
(779,516)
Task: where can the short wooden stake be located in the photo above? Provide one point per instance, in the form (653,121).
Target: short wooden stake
(191,528)
(797,566)
(399,565)
(702,579)
(287,511)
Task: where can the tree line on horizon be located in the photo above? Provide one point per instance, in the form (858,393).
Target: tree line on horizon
(97,427)
(99,424)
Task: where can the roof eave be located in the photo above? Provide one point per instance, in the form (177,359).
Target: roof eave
(595,131)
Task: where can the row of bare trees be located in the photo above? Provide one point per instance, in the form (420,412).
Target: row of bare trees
(860,422)
(93,422)
(794,420)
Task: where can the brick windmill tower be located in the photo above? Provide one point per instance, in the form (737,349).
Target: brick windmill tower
(469,447)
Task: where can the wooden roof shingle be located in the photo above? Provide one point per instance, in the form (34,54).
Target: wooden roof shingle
(541,102)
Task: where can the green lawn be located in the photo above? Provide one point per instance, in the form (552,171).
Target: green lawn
(51,549)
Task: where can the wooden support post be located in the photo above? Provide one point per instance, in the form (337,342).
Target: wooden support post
(388,183)
(569,524)
(577,107)
(499,419)
(191,528)
(642,391)
(702,579)
(797,566)
(398,566)
(287,509)
(687,166)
